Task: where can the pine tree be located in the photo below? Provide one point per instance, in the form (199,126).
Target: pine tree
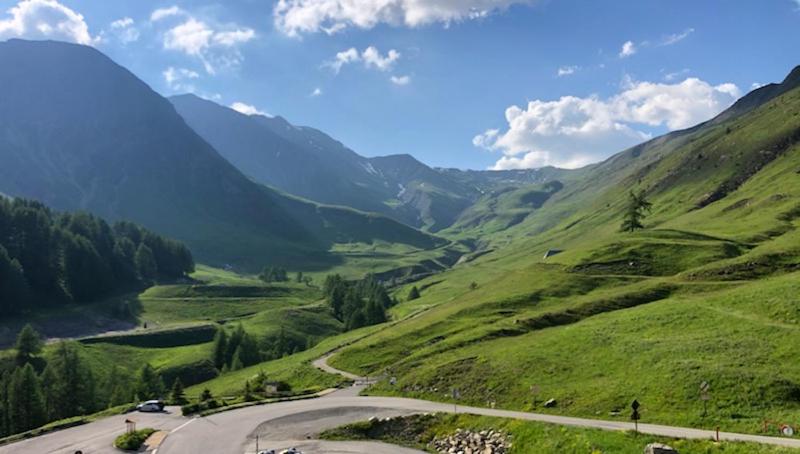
(73,392)
(49,381)
(220,349)
(299,277)
(233,344)
(117,388)
(177,394)
(29,344)
(635,211)
(148,383)
(26,405)
(13,286)
(237,363)
(413,293)
(146,266)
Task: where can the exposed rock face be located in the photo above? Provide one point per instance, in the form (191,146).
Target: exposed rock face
(469,442)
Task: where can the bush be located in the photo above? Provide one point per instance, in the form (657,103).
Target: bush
(200,407)
(133,441)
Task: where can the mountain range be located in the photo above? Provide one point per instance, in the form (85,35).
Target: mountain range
(309,163)
(79,132)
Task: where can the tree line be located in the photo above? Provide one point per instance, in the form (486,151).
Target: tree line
(56,258)
(35,390)
(357,303)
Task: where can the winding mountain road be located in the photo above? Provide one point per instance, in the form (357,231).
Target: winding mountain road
(297,423)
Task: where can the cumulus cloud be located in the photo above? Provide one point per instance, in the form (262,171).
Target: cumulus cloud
(163,13)
(178,79)
(317,92)
(566,71)
(44,19)
(247,109)
(400,80)
(371,57)
(295,17)
(124,29)
(571,132)
(214,46)
(628,49)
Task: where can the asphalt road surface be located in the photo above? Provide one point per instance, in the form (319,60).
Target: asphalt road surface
(297,423)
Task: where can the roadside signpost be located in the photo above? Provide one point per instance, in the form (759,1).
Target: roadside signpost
(635,416)
(705,396)
(456,396)
(130,425)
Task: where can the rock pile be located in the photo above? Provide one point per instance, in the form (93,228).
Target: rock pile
(468,442)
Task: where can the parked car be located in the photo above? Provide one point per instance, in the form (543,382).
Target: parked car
(151,406)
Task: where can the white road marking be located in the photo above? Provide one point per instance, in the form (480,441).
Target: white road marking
(182,426)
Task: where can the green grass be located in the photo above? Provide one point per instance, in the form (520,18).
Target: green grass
(530,437)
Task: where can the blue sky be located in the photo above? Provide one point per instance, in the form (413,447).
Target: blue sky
(456,83)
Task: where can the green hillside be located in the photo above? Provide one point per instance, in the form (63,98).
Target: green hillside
(706,292)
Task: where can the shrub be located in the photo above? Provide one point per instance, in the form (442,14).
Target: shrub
(132,441)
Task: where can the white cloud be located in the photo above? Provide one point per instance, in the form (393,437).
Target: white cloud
(163,13)
(571,132)
(371,57)
(627,50)
(191,37)
(567,70)
(214,47)
(295,17)
(317,92)
(757,85)
(124,30)
(247,109)
(177,79)
(45,19)
(676,37)
(231,38)
(400,80)
(342,58)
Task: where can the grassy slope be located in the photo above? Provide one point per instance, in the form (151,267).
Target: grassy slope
(706,293)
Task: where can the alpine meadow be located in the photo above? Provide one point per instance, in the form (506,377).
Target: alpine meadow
(516,226)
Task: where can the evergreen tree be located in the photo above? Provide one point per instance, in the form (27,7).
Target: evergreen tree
(49,382)
(118,388)
(220,349)
(248,350)
(26,405)
(29,344)
(148,383)
(413,293)
(233,344)
(73,392)
(298,277)
(13,286)
(177,395)
(146,266)
(237,363)
(374,312)
(635,211)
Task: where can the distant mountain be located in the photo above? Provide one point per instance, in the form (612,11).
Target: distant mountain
(77,131)
(309,163)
